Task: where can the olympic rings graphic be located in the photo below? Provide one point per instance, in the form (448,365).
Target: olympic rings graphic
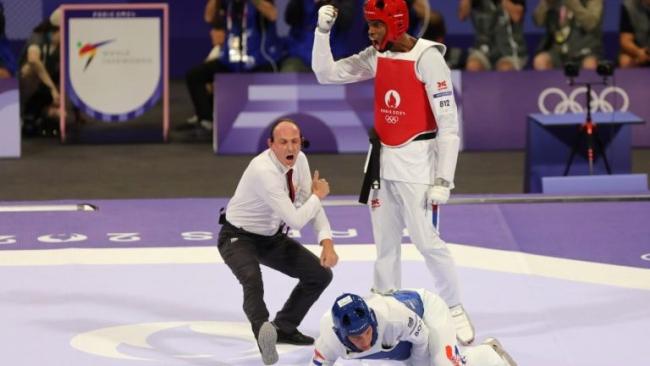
(391,119)
(571,103)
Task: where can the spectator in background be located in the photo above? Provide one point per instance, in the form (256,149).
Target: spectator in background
(431,25)
(418,16)
(499,36)
(7,59)
(212,16)
(302,16)
(635,33)
(573,33)
(39,77)
(249,44)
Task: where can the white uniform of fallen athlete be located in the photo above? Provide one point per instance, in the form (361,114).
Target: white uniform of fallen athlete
(412,326)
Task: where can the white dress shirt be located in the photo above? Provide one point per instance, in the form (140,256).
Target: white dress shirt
(261,202)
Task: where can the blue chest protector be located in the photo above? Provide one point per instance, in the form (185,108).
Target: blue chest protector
(402,351)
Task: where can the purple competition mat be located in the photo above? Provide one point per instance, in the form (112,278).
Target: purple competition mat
(604,232)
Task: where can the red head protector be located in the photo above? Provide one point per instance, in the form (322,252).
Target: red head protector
(393,13)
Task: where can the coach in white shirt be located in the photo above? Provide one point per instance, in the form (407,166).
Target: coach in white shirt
(275,192)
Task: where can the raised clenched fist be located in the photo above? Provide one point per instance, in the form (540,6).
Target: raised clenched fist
(326,18)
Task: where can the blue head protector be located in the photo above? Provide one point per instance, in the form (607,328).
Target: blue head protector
(352,316)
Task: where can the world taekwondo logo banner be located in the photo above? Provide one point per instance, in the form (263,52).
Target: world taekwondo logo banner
(115,67)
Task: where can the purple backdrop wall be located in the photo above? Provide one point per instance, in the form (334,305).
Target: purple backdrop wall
(334,118)
(9,120)
(494,107)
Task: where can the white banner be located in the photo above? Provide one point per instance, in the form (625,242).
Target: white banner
(114,64)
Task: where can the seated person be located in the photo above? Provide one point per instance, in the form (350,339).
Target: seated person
(499,34)
(573,33)
(250,44)
(212,16)
(302,16)
(435,30)
(39,77)
(7,59)
(635,35)
(414,326)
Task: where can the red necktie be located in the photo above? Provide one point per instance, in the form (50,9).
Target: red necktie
(292,192)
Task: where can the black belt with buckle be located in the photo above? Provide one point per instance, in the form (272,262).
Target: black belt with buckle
(371,177)
(426,136)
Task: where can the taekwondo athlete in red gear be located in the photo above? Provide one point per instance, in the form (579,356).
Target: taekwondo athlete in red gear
(413,326)
(417,124)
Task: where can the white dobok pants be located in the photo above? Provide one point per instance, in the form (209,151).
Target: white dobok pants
(400,205)
(443,345)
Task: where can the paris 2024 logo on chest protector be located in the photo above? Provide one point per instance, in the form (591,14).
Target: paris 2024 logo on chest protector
(392,101)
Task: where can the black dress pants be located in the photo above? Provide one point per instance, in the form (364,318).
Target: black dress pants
(200,75)
(243,252)
(196,79)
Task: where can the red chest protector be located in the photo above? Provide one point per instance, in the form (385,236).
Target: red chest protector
(402,108)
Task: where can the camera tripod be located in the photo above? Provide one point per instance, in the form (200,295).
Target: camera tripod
(588,132)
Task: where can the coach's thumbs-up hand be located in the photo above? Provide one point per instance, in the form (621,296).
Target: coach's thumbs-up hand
(319,186)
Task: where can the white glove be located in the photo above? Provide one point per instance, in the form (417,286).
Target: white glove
(438,195)
(326,18)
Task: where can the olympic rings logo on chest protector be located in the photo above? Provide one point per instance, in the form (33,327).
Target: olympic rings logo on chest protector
(571,103)
(391,119)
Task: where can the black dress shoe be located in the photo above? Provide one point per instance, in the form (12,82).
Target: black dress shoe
(295,337)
